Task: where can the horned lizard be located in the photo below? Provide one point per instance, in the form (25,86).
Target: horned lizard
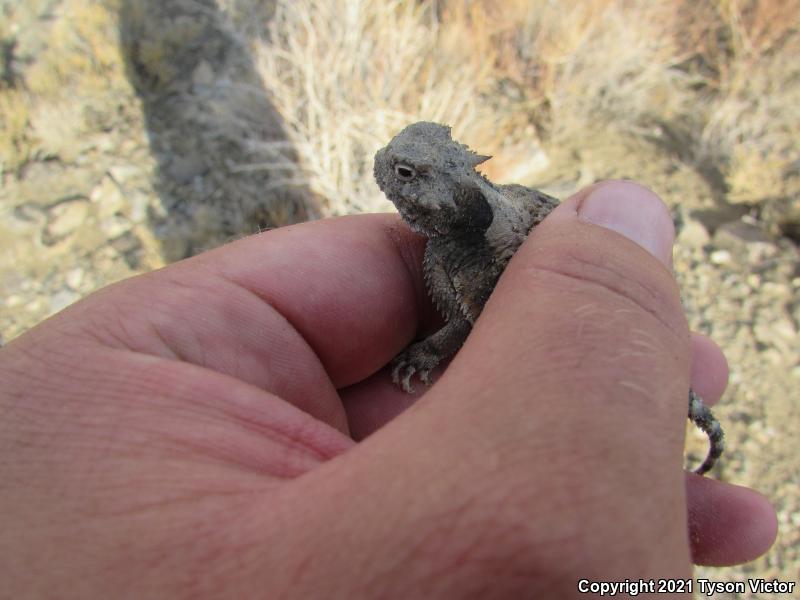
(473,228)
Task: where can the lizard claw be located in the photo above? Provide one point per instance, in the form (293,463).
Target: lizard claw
(417,360)
(402,372)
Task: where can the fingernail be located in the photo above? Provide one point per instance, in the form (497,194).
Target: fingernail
(633,211)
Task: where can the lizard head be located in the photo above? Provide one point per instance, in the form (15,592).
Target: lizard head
(432,181)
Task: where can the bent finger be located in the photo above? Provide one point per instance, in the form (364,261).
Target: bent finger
(709,376)
(298,311)
(728,524)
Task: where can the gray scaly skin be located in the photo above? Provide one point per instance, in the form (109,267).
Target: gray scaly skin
(473,228)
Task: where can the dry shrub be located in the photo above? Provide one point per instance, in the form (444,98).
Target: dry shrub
(598,64)
(347,75)
(753,127)
(717,84)
(714,84)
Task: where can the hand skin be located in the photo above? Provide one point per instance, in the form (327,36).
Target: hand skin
(189,433)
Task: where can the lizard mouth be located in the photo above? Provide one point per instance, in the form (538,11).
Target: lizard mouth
(419,227)
(422,225)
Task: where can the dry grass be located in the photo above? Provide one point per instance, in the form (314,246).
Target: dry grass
(82,54)
(14,120)
(713,83)
(43,116)
(346,75)
(753,128)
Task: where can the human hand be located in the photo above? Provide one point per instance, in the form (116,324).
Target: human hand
(190,432)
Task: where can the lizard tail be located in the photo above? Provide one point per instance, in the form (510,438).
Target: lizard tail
(701,416)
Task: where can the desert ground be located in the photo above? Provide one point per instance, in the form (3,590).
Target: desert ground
(134,133)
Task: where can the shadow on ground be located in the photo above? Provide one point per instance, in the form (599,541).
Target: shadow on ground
(225,167)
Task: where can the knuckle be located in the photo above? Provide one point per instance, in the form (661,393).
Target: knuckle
(627,279)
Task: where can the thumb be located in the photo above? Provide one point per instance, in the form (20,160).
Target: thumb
(549,451)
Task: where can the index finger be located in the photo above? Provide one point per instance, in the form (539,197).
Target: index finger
(297,311)
(289,310)
(352,287)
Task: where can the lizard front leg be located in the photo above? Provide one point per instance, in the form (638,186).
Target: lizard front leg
(422,357)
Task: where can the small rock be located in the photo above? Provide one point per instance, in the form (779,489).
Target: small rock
(126,243)
(115,225)
(13,300)
(61,299)
(12,282)
(49,183)
(75,277)
(63,219)
(693,234)
(159,210)
(203,74)
(130,248)
(106,144)
(773,357)
(139,204)
(745,237)
(720,257)
(26,216)
(124,173)
(129,147)
(775,290)
(108,198)
(779,334)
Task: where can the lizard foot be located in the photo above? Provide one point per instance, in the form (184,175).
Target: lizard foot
(418,359)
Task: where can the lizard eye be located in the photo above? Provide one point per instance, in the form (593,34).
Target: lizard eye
(404,171)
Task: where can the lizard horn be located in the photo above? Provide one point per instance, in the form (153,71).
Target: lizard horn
(476,159)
